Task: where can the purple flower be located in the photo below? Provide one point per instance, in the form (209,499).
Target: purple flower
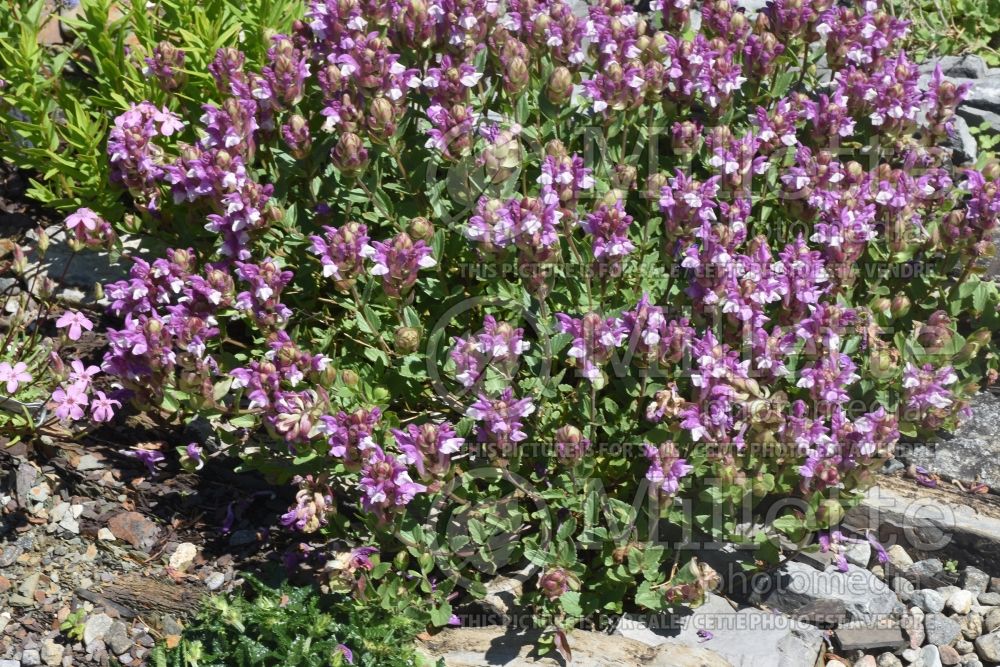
(594,340)
(76,322)
(102,408)
(70,401)
(312,502)
(148,457)
(398,261)
(350,434)
(609,227)
(341,252)
(14,375)
(666,468)
(347,653)
(428,447)
(500,419)
(385,483)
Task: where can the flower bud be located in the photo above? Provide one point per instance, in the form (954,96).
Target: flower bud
(555,148)
(407,340)
(350,155)
(382,118)
(560,86)
(829,513)
(516,76)
(900,305)
(554,583)
(420,228)
(881,305)
(982,336)
(991,171)
(349,377)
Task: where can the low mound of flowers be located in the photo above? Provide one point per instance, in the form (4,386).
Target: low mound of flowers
(559,284)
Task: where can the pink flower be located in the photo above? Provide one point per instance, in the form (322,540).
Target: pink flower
(85,217)
(102,408)
(82,374)
(14,375)
(75,321)
(70,401)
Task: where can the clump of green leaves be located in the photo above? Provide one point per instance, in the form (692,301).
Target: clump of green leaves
(57,102)
(292,626)
(953,27)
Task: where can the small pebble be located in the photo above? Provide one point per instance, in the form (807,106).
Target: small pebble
(899,557)
(889,660)
(215,580)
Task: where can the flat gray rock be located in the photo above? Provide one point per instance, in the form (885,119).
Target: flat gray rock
(494,646)
(962,144)
(778,641)
(966,67)
(796,585)
(973,451)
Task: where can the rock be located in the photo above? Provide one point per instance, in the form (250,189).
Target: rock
(95,629)
(888,660)
(948,655)
(117,638)
(183,556)
(984,95)
(215,580)
(86,268)
(503,593)
(902,587)
(988,647)
(964,150)
(88,462)
(497,645)
(928,600)
(52,653)
(974,580)
(940,629)
(859,554)
(912,623)
(835,663)
(892,466)
(965,67)
(972,625)
(105,535)
(970,661)
(991,621)
(865,661)
(899,557)
(929,656)
(9,554)
(974,449)
(29,584)
(779,641)
(135,529)
(911,654)
(30,658)
(963,646)
(960,601)
(10,663)
(866,638)
(989,599)
(994,584)
(926,568)
(241,538)
(795,585)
